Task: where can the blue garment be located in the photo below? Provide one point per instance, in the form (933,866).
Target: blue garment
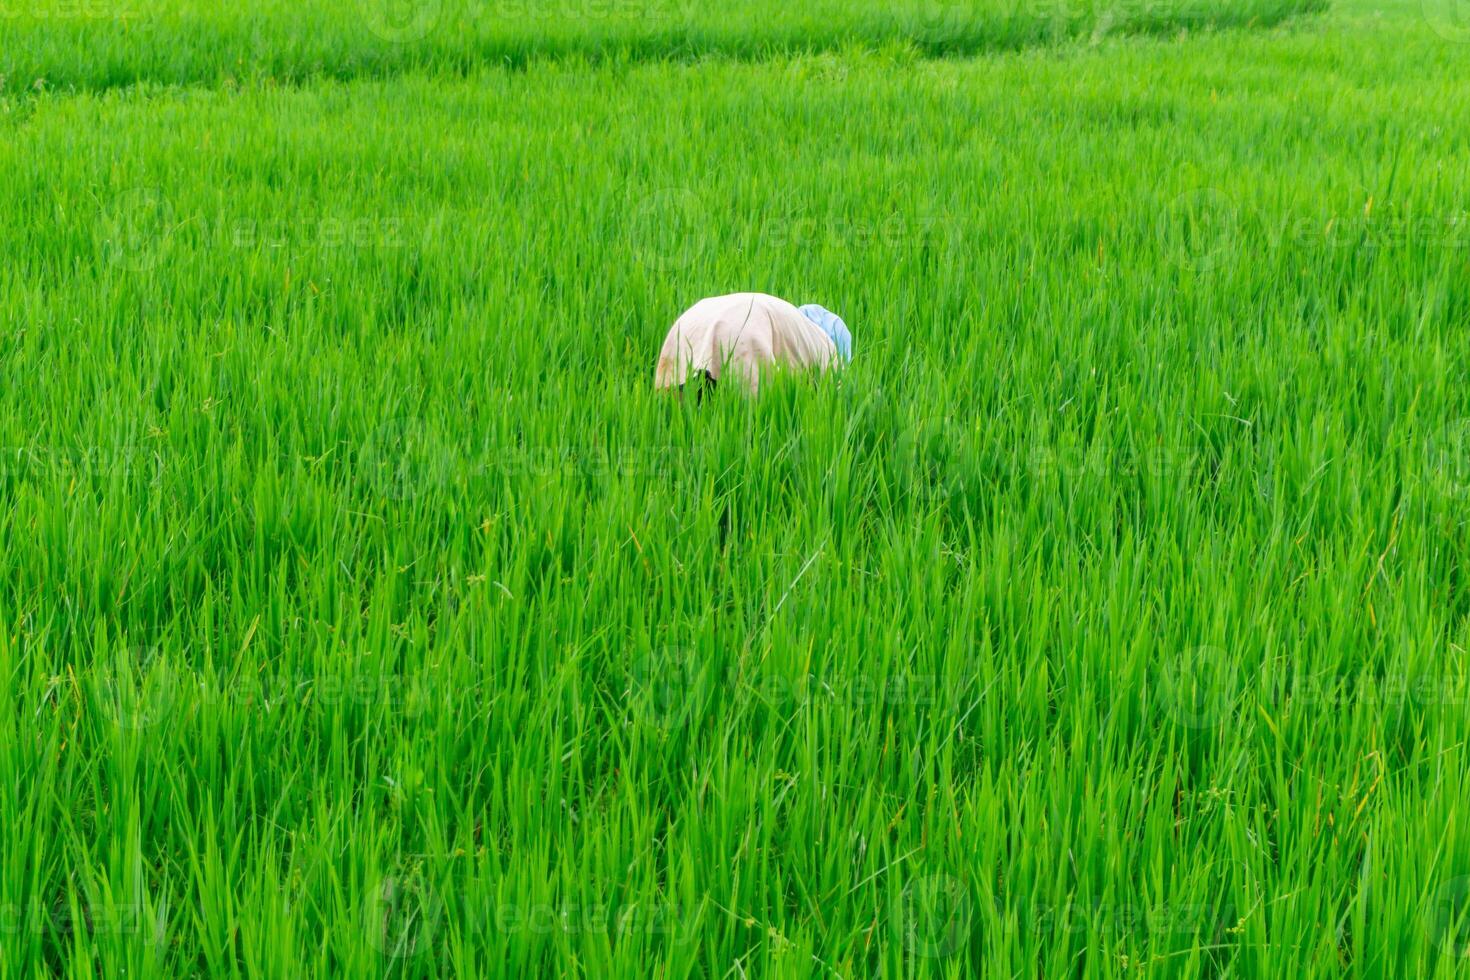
(832,326)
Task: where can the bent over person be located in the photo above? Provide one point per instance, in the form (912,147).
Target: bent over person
(743,335)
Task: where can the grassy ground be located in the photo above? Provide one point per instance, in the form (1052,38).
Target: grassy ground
(363,611)
(103,43)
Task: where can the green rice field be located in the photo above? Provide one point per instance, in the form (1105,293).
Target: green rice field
(365,612)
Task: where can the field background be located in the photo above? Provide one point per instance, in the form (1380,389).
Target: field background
(101,43)
(364,612)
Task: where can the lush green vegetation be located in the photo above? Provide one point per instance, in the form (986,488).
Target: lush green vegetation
(363,611)
(102,43)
